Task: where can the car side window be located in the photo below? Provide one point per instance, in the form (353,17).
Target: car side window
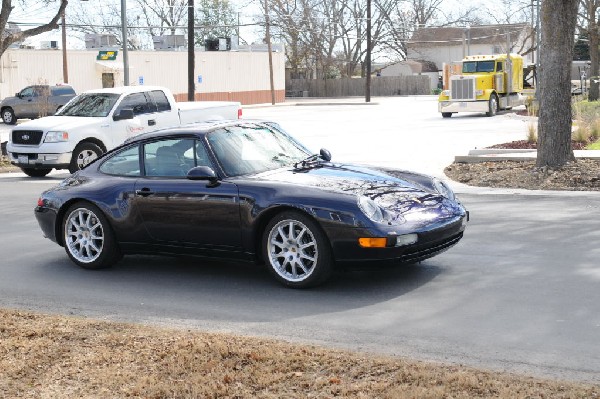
(159,100)
(124,163)
(135,101)
(27,92)
(169,158)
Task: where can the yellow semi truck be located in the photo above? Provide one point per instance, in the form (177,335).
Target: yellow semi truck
(482,83)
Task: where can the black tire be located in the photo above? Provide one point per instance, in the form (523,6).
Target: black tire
(8,116)
(446,114)
(88,237)
(301,258)
(492,105)
(36,172)
(83,154)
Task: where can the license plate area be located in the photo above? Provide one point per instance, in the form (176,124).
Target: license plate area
(23,159)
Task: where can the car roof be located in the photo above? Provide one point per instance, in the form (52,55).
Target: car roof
(194,128)
(126,89)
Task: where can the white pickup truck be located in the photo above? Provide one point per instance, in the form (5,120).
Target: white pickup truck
(99,120)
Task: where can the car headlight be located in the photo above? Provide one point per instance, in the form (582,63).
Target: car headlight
(442,188)
(55,137)
(370,209)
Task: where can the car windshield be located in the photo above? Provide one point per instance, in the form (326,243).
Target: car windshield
(478,66)
(91,104)
(254,148)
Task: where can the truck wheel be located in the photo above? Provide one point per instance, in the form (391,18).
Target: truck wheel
(83,154)
(446,114)
(8,116)
(36,172)
(493,105)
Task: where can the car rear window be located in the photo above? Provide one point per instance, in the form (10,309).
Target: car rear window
(62,91)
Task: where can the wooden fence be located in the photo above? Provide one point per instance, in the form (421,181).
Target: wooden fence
(380,86)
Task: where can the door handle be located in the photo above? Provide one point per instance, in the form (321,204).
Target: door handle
(144,192)
(151,122)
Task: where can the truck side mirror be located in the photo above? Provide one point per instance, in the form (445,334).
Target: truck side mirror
(125,113)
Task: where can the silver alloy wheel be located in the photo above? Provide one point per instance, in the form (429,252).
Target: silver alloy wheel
(84,235)
(293,250)
(85,157)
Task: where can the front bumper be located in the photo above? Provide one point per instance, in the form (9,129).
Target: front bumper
(430,243)
(463,106)
(46,218)
(40,161)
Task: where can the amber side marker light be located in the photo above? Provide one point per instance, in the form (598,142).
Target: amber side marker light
(372,242)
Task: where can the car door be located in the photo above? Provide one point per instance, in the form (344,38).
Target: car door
(178,211)
(163,115)
(142,121)
(23,102)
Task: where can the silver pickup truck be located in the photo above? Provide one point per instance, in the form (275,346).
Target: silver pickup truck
(34,102)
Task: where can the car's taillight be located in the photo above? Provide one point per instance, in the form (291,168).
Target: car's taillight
(40,202)
(240,113)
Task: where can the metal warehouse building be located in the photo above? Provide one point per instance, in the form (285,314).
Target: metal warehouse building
(219,75)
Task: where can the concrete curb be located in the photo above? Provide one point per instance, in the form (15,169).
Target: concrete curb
(497,155)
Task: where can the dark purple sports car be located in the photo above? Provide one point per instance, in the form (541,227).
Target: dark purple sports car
(247,190)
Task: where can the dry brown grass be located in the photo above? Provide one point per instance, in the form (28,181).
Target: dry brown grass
(64,357)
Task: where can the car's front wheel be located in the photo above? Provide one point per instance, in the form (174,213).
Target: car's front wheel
(296,250)
(89,240)
(8,116)
(83,154)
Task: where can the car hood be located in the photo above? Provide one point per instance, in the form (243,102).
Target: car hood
(58,122)
(403,194)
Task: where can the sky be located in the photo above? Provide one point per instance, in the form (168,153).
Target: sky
(37,12)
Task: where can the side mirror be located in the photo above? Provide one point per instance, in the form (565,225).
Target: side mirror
(125,113)
(18,94)
(203,173)
(325,155)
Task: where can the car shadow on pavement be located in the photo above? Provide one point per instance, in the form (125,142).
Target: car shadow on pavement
(237,291)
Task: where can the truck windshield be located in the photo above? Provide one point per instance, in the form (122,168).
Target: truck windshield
(90,104)
(478,66)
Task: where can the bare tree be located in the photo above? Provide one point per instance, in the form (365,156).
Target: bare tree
(556,55)
(214,19)
(8,38)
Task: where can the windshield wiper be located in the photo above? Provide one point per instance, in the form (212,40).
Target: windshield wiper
(314,160)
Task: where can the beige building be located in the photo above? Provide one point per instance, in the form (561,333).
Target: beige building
(219,75)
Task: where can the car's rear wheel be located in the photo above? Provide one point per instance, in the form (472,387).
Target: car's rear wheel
(8,116)
(89,240)
(83,154)
(446,114)
(296,250)
(36,172)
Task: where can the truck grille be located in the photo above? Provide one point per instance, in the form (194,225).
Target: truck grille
(27,137)
(463,88)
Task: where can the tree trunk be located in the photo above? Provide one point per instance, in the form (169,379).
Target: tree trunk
(558,19)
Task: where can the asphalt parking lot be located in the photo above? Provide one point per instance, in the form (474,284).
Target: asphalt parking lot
(519,293)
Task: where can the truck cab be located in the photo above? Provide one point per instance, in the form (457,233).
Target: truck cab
(484,83)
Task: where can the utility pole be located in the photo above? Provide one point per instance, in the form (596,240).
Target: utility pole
(124,33)
(270,50)
(191,55)
(64,49)
(368,60)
